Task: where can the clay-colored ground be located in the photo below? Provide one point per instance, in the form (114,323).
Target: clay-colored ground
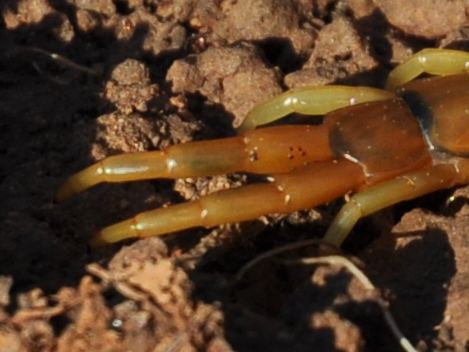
(155,73)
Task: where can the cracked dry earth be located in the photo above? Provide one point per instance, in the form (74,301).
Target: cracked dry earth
(138,75)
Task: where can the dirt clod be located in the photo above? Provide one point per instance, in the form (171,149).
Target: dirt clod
(419,18)
(267,20)
(130,87)
(218,73)
(330,61)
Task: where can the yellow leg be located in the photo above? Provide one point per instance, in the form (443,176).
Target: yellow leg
(301,189)
(265,151)
(386,194)
(433,61)
(311,101)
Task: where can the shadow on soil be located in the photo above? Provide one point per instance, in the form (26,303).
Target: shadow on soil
(46,118)
(275,304)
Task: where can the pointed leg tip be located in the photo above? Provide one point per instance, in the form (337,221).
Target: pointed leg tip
(80,182)
(113,233)
(102,238)
(97,242)
(246,125)
(62,194)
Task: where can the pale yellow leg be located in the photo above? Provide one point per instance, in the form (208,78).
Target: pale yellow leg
(303,188)
(386,194)
(439,62)
(311,101)
(264,151)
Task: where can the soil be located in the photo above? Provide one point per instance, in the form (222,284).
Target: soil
(134,75)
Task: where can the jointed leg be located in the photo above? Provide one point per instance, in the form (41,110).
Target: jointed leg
(433,61)
(301,189)
(388,193)
(311,101)
(266,151)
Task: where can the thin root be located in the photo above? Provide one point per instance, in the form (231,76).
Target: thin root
(334,260)
(363,279)
(287,248)
(61,60)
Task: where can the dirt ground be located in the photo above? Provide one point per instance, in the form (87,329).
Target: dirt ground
(136,75)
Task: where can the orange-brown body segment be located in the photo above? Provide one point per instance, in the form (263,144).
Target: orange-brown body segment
(383,137)
(441,104)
